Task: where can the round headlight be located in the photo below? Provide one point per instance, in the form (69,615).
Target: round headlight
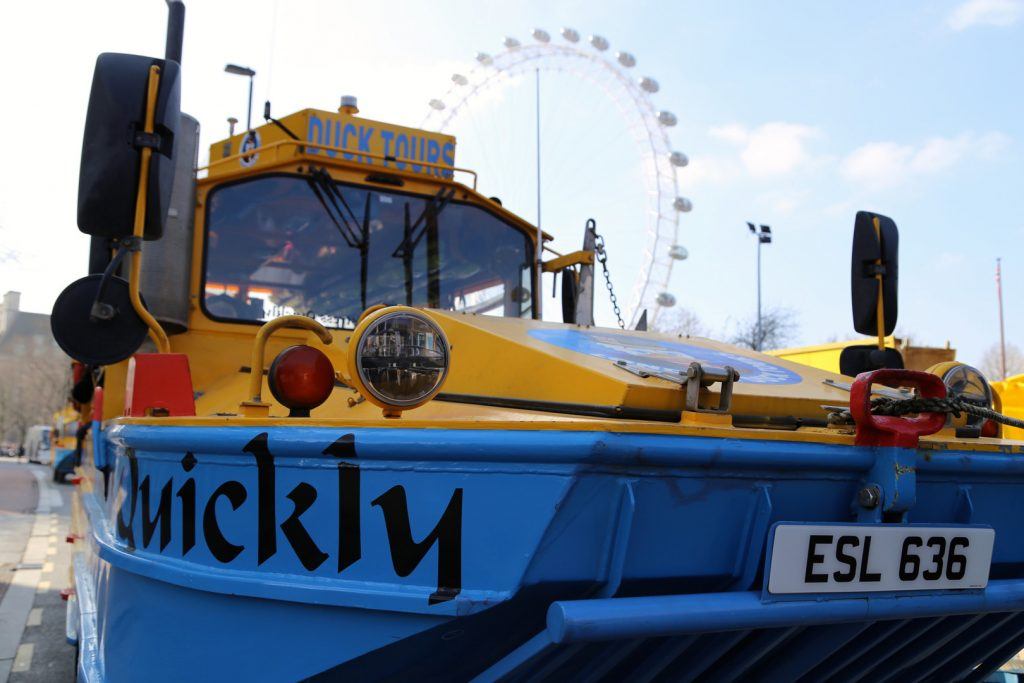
(399,358)
(968,384)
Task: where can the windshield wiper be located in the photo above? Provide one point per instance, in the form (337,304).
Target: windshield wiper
(355,234)
(431,211)
(333,201)
(411,239)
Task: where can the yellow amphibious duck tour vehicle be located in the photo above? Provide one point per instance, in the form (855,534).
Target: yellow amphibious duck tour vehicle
(351,450)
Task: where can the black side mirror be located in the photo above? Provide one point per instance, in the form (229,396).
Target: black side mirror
(114,138)
(874,272)
(854,360)
(570,294)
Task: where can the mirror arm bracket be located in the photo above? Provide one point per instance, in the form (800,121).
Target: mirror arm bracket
(575,258)
(143,139)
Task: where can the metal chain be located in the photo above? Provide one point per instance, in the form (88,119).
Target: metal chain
(882,405)
(602,258)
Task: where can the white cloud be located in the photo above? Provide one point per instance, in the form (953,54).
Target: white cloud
(786,204)
(771,148)
(985,13)
(708,169)
(877,163)
(886,164)
(733,132)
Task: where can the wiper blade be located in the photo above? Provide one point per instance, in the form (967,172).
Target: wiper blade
(333,202)
(432,210)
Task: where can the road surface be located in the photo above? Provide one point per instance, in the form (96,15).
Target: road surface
(34,561)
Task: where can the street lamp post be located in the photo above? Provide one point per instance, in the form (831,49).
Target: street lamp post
(244,71)
(1002,334)
(764,236)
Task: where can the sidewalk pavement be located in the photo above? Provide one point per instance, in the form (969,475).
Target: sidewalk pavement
(34,561)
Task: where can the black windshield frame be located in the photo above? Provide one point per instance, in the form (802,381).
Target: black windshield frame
(527,233)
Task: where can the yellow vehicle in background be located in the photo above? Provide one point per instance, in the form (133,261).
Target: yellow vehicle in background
(827,356)
(1011,396)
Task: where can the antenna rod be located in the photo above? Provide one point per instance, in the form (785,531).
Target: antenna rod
(759,339)
(1002,334)
(175,30)
(540,233)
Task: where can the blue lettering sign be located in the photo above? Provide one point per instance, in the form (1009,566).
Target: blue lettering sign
(448,155)
(433,153)
(416,168)
(349,129)
(387,136)
(401,150)
(315,133)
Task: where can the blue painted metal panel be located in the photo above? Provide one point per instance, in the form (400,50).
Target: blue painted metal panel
(353,533)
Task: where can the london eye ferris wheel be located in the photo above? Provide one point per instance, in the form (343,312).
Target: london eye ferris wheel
(594,107)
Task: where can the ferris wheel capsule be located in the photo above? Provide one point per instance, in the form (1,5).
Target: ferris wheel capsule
(667,118)
(437,105)
(682,204)
(571,34)
(510,42)
(484,58)
(599,43)
(541,36)
(459,79)
(666,299)
(678,252)
(679,159)
(649,85)
(626,59)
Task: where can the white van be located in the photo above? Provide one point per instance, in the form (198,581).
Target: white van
(37,444)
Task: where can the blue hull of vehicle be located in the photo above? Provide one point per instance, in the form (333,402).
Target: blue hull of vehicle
(287,553)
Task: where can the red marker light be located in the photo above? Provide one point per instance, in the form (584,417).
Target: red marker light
(301,378)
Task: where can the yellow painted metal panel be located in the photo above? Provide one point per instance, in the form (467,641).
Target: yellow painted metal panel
(384,146)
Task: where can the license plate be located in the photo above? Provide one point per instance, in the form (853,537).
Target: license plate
(858,558)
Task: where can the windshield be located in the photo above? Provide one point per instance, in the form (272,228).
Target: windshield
(281,245)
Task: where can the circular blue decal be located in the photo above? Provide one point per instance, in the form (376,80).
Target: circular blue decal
(664,356)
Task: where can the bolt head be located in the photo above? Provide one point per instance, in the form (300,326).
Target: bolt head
(869,497)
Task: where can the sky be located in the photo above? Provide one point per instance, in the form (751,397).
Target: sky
(793,114)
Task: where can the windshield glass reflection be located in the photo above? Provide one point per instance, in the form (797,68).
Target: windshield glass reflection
(281,245)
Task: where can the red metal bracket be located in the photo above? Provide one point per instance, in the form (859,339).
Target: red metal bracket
(71,538)
(97,404)
(159,384)
(888,430)
(66,593)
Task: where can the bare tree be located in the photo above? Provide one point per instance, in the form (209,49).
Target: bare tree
(777,329)
(681,321)
(992,367)
(32,389)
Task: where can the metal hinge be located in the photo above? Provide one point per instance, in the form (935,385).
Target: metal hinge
(143,139)
(696,377)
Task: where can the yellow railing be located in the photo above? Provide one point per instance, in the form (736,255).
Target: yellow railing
(156,332)
(254,406)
